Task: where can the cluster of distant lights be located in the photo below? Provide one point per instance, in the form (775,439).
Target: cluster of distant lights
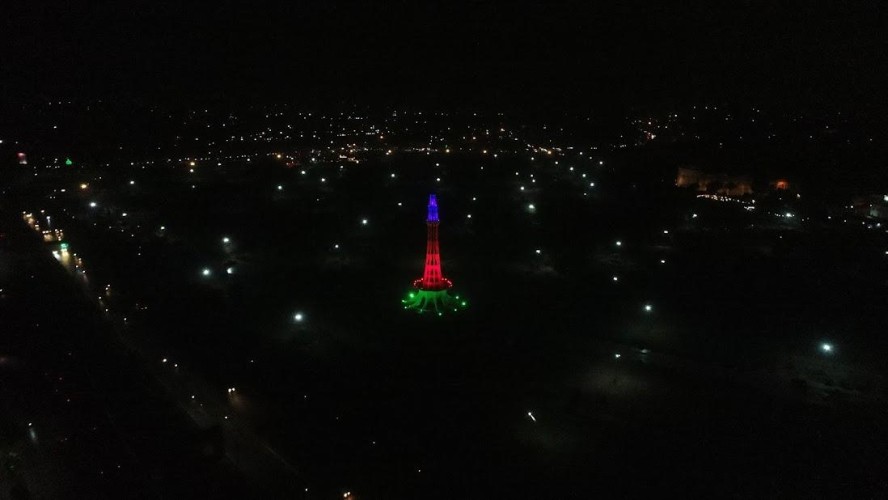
(826,348)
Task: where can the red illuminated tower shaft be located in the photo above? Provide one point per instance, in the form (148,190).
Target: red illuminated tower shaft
(431,276)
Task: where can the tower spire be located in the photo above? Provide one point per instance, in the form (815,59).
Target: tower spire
(431,290)
(433,209)
(432,278)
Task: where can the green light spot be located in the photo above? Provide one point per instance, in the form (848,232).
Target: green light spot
(68,162)
(437,301)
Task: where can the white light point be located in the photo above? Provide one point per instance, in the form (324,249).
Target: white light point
(648,308)
(538,251)
(826,347)
(230,270)
(619,243)
(530,414)
(206,271)
(364,222)
(298,317)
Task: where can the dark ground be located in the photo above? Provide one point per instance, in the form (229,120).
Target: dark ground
(720,391)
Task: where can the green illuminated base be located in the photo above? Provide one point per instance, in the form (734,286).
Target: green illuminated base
(433,301)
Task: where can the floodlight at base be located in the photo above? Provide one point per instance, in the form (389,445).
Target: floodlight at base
(433,301)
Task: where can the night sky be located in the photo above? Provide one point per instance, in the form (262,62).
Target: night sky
(504,54)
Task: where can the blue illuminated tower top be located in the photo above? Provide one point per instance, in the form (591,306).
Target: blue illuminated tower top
(433,209)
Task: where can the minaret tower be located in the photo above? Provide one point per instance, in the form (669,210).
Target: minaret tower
(430,291)
(431,276)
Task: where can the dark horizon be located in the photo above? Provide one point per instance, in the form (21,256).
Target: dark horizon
(528,55)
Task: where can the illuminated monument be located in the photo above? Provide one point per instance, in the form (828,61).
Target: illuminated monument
(430,292)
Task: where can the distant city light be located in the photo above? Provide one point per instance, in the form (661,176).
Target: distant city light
(298,317)
(616,278)
(93,204)
(206,271)
(364,222)
(619,243)
(230,270)
(538,251)
(226,240)
(530,414)
(648,308)
(280,188)
(826,347)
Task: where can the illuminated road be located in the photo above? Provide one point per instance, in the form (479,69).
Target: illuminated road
(262,467)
